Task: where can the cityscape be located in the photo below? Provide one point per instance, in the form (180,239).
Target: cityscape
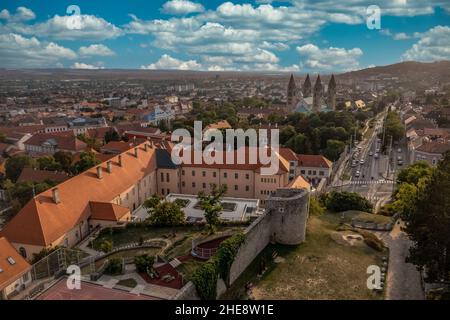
(234,151)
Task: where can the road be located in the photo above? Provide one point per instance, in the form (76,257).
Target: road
(373,175)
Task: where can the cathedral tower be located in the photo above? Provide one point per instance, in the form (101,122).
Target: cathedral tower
(307,87)
(292,92)
(318,95)
(331,99)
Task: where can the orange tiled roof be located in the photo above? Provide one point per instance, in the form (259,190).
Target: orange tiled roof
(299,183)
(34,175)
(107,211)
(315,161)
(41,222)
(10,272)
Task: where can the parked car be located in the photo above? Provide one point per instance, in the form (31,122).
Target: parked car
(357,174)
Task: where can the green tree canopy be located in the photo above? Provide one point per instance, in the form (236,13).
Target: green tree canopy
(344,201)
(87,161)
(166,214)
(212,206)
(428,224)
(15,165)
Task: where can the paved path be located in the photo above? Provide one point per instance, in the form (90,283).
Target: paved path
(403,279)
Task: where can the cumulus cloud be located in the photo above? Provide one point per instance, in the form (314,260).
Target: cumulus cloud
(60,28)
(395,36)
(22,14)
(19,51)
(332,59)
(96,50)
(166,62)
(181,7)
(433,45)
(80,65)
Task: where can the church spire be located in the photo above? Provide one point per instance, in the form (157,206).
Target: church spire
(331,93)
(307,87)
(318,95)
(292,91)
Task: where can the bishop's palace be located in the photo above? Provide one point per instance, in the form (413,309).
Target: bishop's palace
(311,100)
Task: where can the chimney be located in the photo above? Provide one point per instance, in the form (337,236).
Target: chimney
(99,172)
(109,166)
(120,160)
(136,152)
(55,196)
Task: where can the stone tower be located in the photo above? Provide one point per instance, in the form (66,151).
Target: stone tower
(331,99)
(318,95)
(307,87)
(289,209)
(292,92)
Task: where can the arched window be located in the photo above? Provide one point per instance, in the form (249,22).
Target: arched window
(23,252)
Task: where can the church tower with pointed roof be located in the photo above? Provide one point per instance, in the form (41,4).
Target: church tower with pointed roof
(318,95)
(307,87)
(292,92)
(331,94)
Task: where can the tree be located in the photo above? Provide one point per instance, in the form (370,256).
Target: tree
(15,165)
(428,224)
(144,262)
(334,149)
(299,144)
(87,161)
(48,163)
(112,135)
(166,214)
(212,206)
(152,203)
(415,172)
(25,191)
(345,201)
(286,133)
(64,159)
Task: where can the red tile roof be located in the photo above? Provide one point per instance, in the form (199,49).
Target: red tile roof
(314,161)
(34,175)
(64,141)
(107,211)
(10,272)
(434,147)
(41,222)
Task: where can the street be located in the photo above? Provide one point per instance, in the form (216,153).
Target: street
(372,174)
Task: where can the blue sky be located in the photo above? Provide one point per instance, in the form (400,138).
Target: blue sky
(263,35)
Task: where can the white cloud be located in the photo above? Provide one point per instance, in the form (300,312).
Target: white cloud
(166,62)
(19,51)
(395,36)
(80,65)
(22,14)
(60,28)
(181,7)
(331,59)
(433,45)
(96,50)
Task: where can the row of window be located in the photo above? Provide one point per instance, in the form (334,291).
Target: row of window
(204,186)
(268,180)
(214,174)
(313,172)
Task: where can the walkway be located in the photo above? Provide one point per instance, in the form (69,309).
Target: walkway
(403,279)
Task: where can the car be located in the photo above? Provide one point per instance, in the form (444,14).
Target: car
(354,164)
(376,155)
(400,162)
(357,174)
(361,161)
(370,153)
(399,150)
(378,150)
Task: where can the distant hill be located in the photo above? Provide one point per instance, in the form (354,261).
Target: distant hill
(409,70)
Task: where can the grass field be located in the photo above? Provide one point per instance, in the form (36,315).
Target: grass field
(320,268)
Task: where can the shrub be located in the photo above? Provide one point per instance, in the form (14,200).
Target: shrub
(345,201)
(143,262)
(114,267)
(106,246)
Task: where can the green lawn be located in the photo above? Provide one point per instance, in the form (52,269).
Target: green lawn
(348,216)
(320,268)
(130,283)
